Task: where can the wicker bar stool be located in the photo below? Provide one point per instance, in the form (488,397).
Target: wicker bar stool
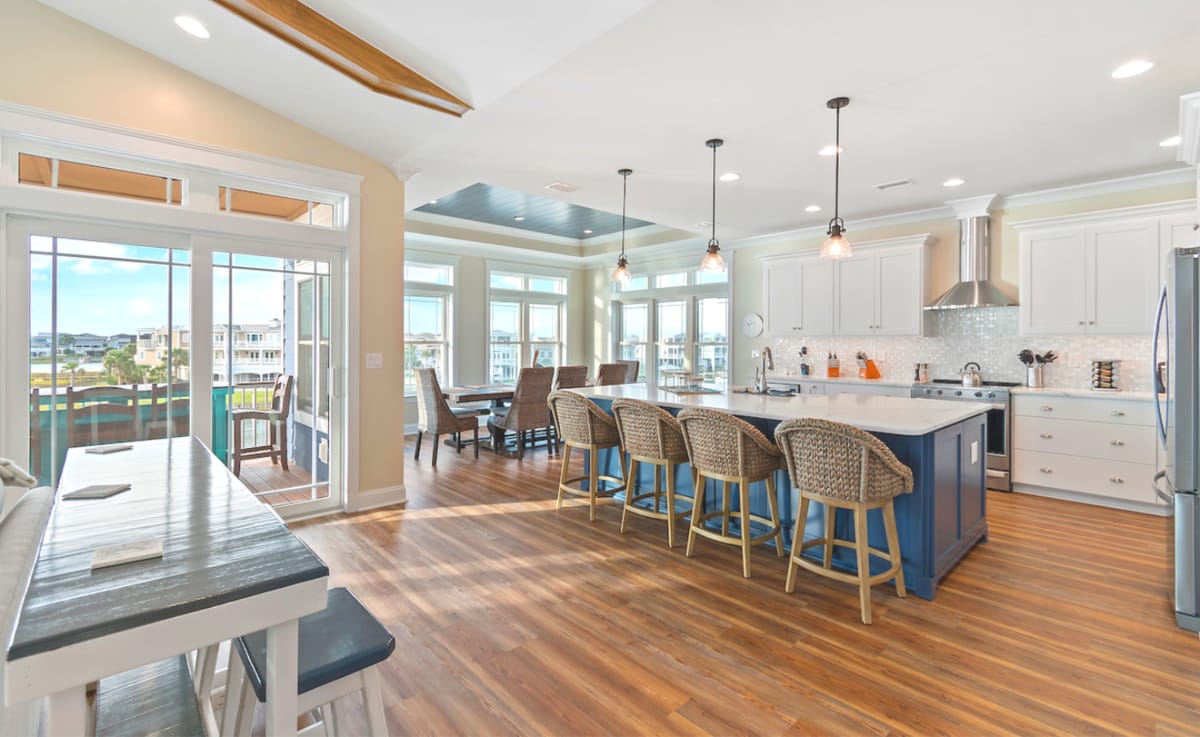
(730,450)
(582,424)
(843,467)
(650,434)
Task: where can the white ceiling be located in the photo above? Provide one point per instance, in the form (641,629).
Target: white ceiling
(1011,96)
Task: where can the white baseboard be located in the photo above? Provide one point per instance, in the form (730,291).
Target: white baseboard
(1101,501)
(375,498)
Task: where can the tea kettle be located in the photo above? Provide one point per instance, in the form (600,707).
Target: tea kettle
(970,376)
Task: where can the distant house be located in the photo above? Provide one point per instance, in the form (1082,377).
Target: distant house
(87,344)
(41,345)
(120,340)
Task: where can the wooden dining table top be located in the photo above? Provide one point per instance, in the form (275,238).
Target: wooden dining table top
(479,393)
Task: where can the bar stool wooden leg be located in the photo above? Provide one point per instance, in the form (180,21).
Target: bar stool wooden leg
(630,491)
(743,521)
(373,696)
(893,540)
(657,488)
(725,506)
(669,470)
(773,505)
(697,511)
(416,452)
(864,561)
(830,518)
(797,544)
(562,476)
(593,482)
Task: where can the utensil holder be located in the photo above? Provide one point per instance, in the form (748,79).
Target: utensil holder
(1033,376)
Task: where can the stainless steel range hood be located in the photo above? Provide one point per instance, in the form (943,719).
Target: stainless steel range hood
(974,287)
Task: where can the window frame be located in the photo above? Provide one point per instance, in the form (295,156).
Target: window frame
(447,292)
(526,298)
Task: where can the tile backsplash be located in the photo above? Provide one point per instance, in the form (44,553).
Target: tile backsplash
(987,336)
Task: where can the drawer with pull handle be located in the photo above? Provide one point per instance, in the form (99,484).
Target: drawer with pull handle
(1099,409)
(1118,479)
(1131,443)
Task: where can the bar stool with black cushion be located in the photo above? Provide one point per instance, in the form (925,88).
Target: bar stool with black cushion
(650,434)
(725,448)
(584,425)
(276,418)
(611,374)
(843,467)
(434,416)
(340,648)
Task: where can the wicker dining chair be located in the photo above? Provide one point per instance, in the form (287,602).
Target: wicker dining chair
(584,425)
(844,467)
(570,377)
(434,416)
(611,374)
(650,434)
(528,410)
(725,448)
(633,365)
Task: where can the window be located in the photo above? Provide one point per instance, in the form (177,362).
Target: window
(712,340)
(635,335)
(45,171)
(526,320)
(428,291)
(671,347)
(666,281)
(292,209)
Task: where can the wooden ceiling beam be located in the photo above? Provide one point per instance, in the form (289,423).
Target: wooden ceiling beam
(314,34)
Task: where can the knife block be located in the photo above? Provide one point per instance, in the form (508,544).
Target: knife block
(868,370)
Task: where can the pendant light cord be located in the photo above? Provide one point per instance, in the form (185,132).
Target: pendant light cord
(624,197)
(714,198)
(837,162)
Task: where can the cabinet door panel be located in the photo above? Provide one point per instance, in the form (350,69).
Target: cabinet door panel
(855,293)
(1176,231)
(1122,278)
(1053,295)
(782,299)
(816,297)
(900,298)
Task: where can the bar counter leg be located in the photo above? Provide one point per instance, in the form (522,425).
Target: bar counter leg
(282,678)
(66,714)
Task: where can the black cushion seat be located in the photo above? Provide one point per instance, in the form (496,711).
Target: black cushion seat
(339,640)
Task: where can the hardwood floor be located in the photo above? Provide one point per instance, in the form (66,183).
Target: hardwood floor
(512,618)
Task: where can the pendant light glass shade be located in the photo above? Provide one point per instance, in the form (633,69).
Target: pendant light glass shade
(836,245)
(713,260)
(622,274)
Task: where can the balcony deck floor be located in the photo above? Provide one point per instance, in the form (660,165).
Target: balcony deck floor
(260,475)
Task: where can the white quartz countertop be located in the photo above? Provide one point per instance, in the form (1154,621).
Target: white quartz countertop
(1050,391)
(853,379)
(894,415)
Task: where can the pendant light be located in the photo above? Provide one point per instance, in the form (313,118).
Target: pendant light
(621,275)
(836,245)
(712,260)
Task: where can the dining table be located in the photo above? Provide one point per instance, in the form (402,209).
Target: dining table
(228,567)
(497,394)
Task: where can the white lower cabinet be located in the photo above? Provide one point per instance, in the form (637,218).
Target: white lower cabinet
(1097,450)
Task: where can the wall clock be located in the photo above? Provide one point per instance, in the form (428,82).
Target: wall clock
(752,325)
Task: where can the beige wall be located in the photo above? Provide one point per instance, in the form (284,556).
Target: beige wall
(55,63)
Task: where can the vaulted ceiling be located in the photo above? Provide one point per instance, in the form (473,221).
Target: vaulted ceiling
(1011,96)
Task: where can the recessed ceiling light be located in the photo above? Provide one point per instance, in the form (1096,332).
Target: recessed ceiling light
(561,187)
(519,218)
(192,26)
(953,182)
(813,208)
(706,224)
(587,232)
(730,176)
(831,149)
(1169,142)
(433,202)
(1132,68)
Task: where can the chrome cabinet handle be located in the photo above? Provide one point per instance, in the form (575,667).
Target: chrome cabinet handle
(1047,435)
(1081,322)
(1117,413)
(1116,480)
(1118,443)
(1091,322)
(1044,469)
(1047,408)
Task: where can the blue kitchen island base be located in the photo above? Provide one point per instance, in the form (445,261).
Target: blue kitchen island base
(938,523)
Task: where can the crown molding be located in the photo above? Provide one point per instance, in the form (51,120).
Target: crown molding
(478,232)
(1157,209)
(1189,129)
(1179,175)
(973,207)
(484,249)
(879,221)
(924,240)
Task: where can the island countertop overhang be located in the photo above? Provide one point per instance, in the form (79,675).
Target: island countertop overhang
(876,414)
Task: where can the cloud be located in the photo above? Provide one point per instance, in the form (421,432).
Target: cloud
(141,307)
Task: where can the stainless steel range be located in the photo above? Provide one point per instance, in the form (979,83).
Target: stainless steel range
(995,394)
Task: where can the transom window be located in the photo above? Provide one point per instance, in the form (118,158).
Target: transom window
(527,316)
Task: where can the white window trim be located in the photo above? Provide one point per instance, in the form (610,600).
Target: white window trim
(652,297)
(450,294)
(524,298)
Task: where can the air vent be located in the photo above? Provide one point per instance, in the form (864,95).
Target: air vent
(893,185)
(561,187)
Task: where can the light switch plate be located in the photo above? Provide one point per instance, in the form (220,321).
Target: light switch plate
(374,360)
(974,452)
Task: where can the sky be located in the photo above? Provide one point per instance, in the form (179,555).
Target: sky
(97,293)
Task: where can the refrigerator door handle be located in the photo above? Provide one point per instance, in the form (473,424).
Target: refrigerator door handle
(1160,492)
(1154,372)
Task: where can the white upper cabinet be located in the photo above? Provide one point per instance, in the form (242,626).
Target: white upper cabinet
(878,291)
(1177,231)
(1096,274)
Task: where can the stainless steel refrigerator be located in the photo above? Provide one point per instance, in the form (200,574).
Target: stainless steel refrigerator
(1176,364)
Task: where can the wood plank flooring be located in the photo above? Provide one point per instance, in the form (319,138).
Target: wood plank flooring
(514,619)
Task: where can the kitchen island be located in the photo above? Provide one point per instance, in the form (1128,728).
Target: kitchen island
(942,442)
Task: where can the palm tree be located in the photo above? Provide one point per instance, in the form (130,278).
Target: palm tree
(72,367)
